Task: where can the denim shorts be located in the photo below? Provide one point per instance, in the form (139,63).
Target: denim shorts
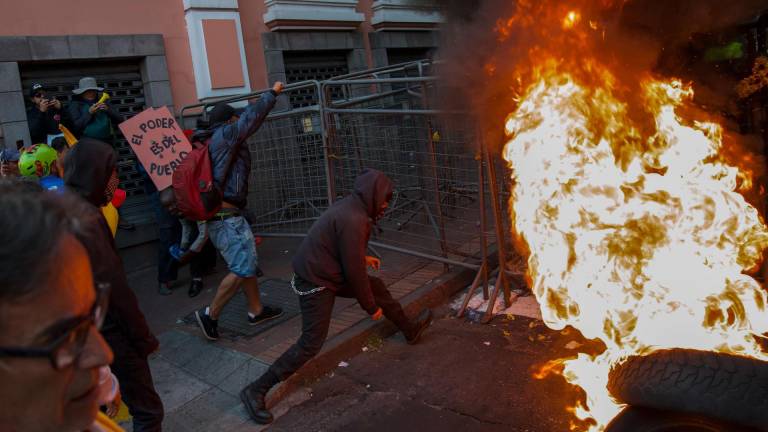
(233,238)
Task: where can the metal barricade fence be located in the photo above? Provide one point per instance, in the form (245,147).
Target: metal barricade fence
(451,195)
(305,158)
(288,185)
(430,155)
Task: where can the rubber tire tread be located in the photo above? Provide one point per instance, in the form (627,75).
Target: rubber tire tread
(721,386)
(639,419)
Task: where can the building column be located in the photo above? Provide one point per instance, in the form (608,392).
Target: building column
(157,84)
(13,116)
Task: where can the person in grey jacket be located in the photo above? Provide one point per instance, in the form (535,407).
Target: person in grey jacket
(331,261)
(229,232)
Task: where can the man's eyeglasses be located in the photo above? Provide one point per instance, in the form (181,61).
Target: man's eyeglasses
(67,346)
(40,95)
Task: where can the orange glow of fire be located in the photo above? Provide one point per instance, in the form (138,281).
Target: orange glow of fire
(636,234)
(571,20)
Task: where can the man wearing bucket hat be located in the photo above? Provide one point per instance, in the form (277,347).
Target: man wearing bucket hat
(89,117)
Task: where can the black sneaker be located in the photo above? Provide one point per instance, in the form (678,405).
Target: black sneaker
(195,287)
(422,323)
(267,313)
(209,326)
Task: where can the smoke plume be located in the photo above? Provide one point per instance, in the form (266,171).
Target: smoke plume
(489,44)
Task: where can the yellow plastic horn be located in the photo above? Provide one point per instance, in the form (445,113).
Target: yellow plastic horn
(104,97)
(68,136)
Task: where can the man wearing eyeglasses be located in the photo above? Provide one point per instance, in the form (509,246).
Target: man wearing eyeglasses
(50,347)
(44,115)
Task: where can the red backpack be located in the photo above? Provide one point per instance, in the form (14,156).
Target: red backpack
(196,193)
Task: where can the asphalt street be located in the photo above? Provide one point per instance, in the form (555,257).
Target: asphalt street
(461,377)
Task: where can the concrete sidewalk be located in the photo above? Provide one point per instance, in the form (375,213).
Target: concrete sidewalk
(199,381)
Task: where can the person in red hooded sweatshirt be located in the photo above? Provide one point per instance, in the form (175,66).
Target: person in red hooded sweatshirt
(331,261)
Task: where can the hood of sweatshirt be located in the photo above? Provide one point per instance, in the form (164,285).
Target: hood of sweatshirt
(88,167)
(374,188)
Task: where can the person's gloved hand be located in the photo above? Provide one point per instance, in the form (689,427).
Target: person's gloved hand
(373,262)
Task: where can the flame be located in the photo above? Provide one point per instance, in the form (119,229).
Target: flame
(637,233)
(571,20)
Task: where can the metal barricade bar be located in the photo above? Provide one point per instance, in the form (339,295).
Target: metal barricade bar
(305,158)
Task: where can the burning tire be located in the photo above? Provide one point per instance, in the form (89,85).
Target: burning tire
(726,387)
(635,419)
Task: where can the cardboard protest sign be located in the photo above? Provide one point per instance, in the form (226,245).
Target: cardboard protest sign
(159,143)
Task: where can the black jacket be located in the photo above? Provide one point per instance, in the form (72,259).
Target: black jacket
(42,124)
(333,253)
(87,169)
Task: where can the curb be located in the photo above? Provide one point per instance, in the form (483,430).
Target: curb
(349,343)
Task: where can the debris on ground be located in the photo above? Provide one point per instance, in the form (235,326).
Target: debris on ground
(523,306)
(343,364)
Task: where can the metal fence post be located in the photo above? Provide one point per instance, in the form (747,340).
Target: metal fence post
(502,278)
(321,101)
(483,220)
(435,181)
(328,139)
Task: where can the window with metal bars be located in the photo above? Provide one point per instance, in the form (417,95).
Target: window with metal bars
(313,65)
(122,80)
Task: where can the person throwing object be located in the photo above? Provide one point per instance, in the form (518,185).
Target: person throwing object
(229,232)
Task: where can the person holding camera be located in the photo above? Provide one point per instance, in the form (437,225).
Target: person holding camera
(44,115)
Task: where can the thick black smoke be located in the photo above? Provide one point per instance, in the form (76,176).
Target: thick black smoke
(480,68)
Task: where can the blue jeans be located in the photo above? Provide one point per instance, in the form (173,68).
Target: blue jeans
(233,238)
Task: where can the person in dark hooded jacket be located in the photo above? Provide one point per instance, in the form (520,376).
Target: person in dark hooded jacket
(90,172)
(331,261)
